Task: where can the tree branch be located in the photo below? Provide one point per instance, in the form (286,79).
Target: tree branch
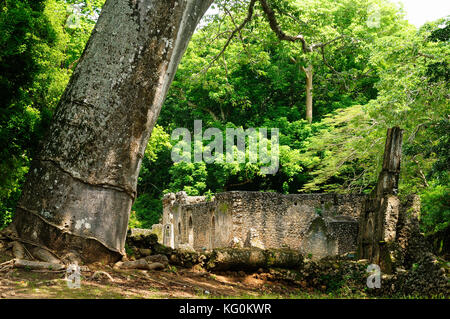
(277,29)
(275,26)
(235,31)
(421,174)
(322,51)
(236,27)
(213,115)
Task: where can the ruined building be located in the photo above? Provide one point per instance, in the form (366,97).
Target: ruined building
(316,224)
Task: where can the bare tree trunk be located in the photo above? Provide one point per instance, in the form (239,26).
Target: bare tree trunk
(378,221)
(309,94)
(81,187)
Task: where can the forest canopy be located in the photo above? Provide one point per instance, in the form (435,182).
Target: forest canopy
(369,69)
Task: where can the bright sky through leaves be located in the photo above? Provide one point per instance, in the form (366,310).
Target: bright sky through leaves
(420,11)
(417,11)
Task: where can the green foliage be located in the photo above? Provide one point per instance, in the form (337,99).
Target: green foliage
(37,55)
(332,283)
(190,177)
(344,155)
(146,211)
(366,79)
(6,218)
(258,83)
(25,41)
(435,210)
(348,150)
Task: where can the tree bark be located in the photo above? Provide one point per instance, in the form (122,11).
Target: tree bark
(378,221)
(80,189)
(309,95)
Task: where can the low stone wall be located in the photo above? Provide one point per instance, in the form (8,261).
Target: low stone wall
(156,229)
(316,224)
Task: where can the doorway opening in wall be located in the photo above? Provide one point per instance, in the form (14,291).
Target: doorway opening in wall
(213,232)
(190,233)
(179,233)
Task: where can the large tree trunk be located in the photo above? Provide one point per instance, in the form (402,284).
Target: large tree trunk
(309,94)
(80,189)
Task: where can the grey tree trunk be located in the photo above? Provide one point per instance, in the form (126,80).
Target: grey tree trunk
(80,189)
(309,94)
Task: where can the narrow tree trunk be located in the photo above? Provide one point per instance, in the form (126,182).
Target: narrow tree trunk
(81,187)
(309,94)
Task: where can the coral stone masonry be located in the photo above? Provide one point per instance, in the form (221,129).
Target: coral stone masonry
(318,225)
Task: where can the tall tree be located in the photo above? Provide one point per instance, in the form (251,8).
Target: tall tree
(81,186)
(336,26)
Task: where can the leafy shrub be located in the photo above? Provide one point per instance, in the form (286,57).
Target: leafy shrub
(145,212)
(435,212)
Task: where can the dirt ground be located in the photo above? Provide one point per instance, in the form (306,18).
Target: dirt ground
(128,284)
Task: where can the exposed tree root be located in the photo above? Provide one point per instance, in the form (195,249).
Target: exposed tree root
(39,258)
(7,265)
(7,262)
(18,250)
(37,265)
(48,271)
(104,273)
(10,233)
(44,255)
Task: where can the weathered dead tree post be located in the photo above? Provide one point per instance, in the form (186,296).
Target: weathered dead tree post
(80,188)
(377,226)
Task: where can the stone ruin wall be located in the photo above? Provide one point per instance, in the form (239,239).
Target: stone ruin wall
(316,224)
